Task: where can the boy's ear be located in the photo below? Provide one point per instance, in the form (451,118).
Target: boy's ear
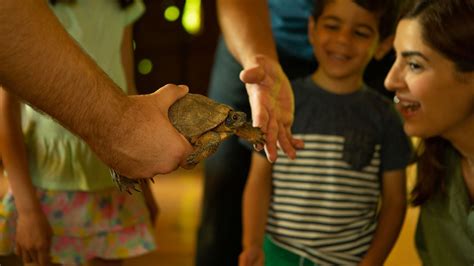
(384,47)
(311,26)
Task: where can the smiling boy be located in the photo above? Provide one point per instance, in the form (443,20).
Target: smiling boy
(342,201)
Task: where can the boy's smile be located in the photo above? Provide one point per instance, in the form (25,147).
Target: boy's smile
(345,38)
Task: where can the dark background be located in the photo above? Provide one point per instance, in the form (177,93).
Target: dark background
(177,56)
(181,58)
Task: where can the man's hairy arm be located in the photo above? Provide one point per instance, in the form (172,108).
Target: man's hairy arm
(41,64)
(246,28)
(44,66)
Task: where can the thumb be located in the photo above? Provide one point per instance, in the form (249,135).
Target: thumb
(170,93)
(255,74)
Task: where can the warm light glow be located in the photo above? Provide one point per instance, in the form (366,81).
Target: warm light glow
(145,66)
(192,16)
(171,13)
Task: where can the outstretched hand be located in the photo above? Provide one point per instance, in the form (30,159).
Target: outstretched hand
(150,145)
(33,238)
(272,104)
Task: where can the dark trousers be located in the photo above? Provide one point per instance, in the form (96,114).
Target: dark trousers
(220,230)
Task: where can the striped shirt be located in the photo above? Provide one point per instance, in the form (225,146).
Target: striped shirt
(324,203)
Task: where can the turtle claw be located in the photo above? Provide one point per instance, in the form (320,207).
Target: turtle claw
(259,141)
(190,162)
(124,183)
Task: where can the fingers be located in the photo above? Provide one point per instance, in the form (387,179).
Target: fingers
(34,257)
(297,143)
(280,137)
(39,257)
(245,260)
(43,258)
(18,251)
(285,143)
(26,257)
(271,141)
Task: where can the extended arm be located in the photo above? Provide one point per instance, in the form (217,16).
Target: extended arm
(391,216)
(256,200)
(246,28)
(43,65)
(33,232)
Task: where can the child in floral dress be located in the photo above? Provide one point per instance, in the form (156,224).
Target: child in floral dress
(63,207)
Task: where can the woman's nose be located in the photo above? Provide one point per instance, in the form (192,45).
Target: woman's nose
(393,79)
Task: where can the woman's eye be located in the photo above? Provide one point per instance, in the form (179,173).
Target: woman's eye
(414,66)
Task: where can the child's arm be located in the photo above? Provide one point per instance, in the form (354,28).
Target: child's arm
(33,235)
(391,216)
(256,200)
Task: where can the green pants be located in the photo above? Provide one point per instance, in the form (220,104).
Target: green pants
(278,256)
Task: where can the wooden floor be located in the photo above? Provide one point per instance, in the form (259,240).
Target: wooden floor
(179,196)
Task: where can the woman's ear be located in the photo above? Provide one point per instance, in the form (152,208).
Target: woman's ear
(384,47)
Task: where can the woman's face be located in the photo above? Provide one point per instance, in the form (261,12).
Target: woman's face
(434,99)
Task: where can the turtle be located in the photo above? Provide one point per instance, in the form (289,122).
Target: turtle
(205,123)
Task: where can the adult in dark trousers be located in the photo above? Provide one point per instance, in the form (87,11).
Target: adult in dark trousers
(253,57)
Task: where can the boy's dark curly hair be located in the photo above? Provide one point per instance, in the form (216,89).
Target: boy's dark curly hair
(388,12)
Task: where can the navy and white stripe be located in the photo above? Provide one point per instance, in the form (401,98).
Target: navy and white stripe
(321,208)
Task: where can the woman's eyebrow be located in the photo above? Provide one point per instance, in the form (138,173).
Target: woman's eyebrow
(406,54)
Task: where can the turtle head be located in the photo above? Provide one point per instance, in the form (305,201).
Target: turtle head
(235,119)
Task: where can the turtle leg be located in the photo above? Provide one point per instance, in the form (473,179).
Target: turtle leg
(252,134)
(205,146)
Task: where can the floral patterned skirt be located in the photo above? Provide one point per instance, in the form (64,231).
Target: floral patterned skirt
(106,224)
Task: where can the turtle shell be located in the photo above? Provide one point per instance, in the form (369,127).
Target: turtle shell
(194,114)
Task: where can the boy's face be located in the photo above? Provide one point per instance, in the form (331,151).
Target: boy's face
(344,38)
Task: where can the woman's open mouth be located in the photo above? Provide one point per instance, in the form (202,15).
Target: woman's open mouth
(405,107)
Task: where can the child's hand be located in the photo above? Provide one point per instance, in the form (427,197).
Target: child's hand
(251,256)
(33,238)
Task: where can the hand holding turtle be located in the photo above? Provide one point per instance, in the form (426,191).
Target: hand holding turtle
(272,103)
(205,124)
(165,148)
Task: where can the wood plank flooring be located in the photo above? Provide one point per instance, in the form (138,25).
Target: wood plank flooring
(179,195)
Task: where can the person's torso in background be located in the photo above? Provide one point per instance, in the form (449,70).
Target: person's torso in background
(58,159)
(290,27)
